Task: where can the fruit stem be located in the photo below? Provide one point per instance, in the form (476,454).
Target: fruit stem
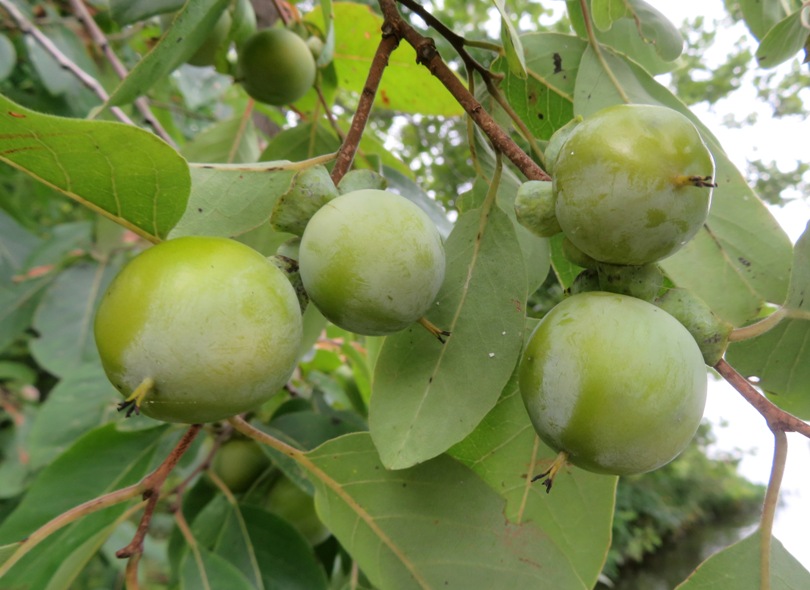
(548,476)
(758,328)
(135,399)
(769,507)
(433,329)
(699,181)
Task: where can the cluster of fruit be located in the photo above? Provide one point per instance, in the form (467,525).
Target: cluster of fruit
(614,376)
(198,329)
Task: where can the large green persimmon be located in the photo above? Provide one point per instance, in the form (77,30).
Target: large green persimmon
(198,329)
(276,66)
(371,261)
(614,382)
(633,184)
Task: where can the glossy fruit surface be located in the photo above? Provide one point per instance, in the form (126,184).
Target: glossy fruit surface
(238,463)
(276,66)
(371,261)
(613,381)
(632,184)
(210,320)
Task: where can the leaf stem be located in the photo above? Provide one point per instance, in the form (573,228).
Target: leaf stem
(758,328)
(769,508)
(266,166)
(597,49)
(777,418)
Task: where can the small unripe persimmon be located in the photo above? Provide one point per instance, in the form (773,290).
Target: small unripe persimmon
(371,261)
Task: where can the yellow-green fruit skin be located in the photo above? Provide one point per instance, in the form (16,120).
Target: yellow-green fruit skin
(371,261)
(613,381)
(210,320)
(276,67)
(620,180)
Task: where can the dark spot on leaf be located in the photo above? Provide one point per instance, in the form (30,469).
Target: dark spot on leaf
(540,116)
(744,261)
(199,210)
(557,62)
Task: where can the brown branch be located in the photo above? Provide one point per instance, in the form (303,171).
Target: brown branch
(459,43)
(349,147)
(427,55)
(151,485)
(777,419)
(28,28)
(98,37)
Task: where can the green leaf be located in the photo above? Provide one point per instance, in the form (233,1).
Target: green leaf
(406,86)
(16,246)
(64,318)
(643,33)
(205,570)
(120,171)
(798,298)
(233,140)
(606,12)
(742,256)
(101,461)
(18,302)
(299,143)
(436,525)
(266,549)
(77,404)
(577,514)
(231,202)
(738,567)
(8,57)
(779,360)
(415,412)
(15,469)
(56,79)
(784,40)
(126,12)
(328,52)
(511,43)
(761,16)
(544,101)
(189,29)
(565,270)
